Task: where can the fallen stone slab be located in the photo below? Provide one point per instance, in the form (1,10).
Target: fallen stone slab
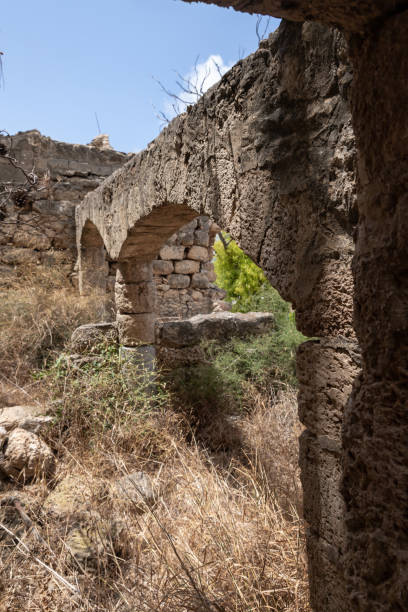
(87,337)
(30,418)
(215,326)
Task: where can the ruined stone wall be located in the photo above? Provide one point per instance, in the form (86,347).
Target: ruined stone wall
(40,229)
(184,272)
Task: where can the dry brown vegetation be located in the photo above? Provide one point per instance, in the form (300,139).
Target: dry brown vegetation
(225,532)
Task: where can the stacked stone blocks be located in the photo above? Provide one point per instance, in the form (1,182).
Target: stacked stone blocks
(184,272)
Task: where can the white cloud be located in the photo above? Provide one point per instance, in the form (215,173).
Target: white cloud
(189,87)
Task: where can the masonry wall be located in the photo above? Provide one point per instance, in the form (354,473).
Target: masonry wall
(40,229)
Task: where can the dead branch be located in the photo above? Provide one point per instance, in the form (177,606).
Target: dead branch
(261,28)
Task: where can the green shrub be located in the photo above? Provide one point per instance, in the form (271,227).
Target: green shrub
(237,274)
(229,371)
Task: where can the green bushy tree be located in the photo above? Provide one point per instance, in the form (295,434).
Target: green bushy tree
(237,274)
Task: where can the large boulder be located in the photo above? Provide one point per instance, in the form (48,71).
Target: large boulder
(23,455)
(219,326)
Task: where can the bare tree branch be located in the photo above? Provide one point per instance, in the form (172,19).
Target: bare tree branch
(262,26)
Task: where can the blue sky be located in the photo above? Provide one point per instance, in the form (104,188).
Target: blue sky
(64,61)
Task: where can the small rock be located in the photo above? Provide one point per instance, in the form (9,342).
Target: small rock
(24,455)
(96,540)
(136,488)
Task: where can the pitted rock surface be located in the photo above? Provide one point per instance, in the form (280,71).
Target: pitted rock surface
(217,326)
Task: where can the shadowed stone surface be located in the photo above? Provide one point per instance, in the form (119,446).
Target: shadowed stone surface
(216,326)
(375,452)
(87,337)
(351,15)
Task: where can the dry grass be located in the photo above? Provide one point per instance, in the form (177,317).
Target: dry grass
(225,533)
(37,315)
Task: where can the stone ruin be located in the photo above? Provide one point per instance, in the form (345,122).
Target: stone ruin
(40,230)
(300,154)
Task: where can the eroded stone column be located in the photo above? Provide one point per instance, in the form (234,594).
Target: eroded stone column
(326,371)
(376,423)
(135,303)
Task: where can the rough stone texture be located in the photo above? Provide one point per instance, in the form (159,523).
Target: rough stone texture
(137,489)
(200,297)
(216,326)
(42,228)
(376,420)
(135,329)
(268,154)
(135,297)
(350,15)
(30,418)
(23,455)
(375,454)
(86,338)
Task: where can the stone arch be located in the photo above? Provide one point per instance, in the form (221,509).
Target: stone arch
(269,155)
(135,294)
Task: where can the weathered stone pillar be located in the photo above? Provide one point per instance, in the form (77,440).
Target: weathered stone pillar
(376,421)
(135,303)
(326,371)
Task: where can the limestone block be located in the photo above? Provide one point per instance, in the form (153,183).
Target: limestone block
(86,338)
(201,238)
(135,297)
(198,253)
(135,329)
(219,326)
(186,238)
(214,228)
(187,266)
(208,269)
(221,306)
(179,281)
(30,418)
(161,266)
(200,281)
(197,296)
(204,223)
(25,455)
(134,271)
(172,252)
